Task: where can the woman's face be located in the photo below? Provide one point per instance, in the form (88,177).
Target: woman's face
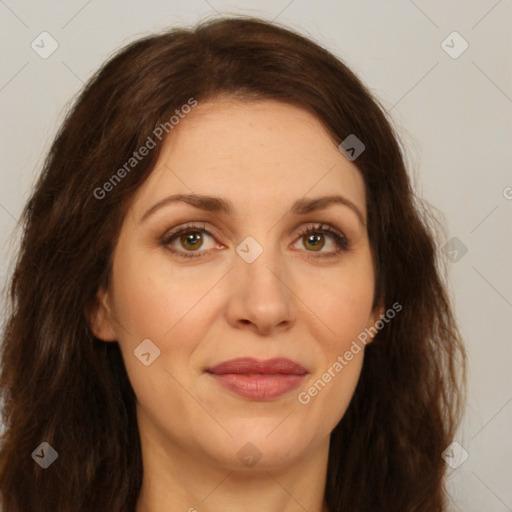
(251,285)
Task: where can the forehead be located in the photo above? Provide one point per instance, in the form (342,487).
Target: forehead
(251,152)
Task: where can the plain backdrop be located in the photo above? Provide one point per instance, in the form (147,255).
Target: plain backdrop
(453,112)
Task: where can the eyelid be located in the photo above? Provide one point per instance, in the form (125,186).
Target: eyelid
(342,242)
(200,226)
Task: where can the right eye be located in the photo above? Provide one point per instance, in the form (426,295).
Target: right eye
(191,238)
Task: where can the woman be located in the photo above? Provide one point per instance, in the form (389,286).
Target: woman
(227,295)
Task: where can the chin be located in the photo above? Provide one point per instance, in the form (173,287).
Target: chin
(261,444)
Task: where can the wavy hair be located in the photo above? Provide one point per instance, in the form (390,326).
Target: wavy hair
(61,385)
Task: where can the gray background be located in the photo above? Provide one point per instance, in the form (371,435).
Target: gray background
(453,114)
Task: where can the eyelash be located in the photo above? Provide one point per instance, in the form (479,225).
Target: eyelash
(342,242)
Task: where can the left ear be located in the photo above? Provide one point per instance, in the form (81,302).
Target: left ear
(377,314)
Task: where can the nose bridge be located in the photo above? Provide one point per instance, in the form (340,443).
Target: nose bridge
(259,262)
(260,282)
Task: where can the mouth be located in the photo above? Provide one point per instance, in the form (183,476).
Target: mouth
(256,379)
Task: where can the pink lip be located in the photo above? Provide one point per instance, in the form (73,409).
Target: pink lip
(258,380)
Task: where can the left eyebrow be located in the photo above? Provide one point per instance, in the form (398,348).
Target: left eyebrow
(303,206)
(219,205)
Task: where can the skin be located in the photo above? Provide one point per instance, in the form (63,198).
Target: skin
(289,302)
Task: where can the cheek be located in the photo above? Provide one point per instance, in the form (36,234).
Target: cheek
(325,399)
(167,305)
(158,303)
(342,300)
(152,300)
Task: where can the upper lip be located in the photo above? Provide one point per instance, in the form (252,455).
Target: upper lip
(249,365)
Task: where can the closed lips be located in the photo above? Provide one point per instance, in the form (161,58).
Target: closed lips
(251,366)
(257,380)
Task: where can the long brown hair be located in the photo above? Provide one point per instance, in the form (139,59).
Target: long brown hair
(62,386)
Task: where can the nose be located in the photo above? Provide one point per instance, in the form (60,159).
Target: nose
(260,295)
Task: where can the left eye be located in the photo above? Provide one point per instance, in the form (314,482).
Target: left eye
(314,237)
(191,238)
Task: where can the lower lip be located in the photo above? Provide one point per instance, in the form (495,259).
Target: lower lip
(259,387)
